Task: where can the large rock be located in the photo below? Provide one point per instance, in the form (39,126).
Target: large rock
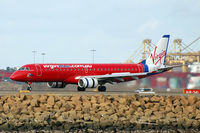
(122,100)
(58,105)
(170,115)
(34,103)
(189,109)
(155,99)
(168,100)
(6,108)
(43,107)
(15,109)
(137,103)
(198,104)
(86,104)
(41,118)
(148,112)
(11,100)
(76,98)
(191,99)
(50,101)
(184,101)
(25,118)
(26,102)
(87,117)
(176,102)
(148,105)
(93,100)
(71,115)
(146,99)
(24,111)
(1,108)
(43,99)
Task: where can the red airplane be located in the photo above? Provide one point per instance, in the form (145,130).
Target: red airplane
(93,75)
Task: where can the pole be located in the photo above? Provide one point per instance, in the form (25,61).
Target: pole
(43,54)
(34,52)
(93,50)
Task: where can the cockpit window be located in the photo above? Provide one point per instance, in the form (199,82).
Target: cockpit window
(24,69)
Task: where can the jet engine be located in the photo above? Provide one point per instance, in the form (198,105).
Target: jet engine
(56,84)
(87,82)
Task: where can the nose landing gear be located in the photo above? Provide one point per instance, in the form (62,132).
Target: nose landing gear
(29,88)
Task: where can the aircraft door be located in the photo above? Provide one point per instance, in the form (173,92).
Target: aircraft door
(139,68)
(86,70)
(38,70)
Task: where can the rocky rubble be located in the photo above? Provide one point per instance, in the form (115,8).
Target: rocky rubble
(94,112)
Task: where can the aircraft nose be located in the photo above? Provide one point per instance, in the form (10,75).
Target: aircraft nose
(16,76)
(13,76)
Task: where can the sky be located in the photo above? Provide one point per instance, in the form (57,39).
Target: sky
(67,30)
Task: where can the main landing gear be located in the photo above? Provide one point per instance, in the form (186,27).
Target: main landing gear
(100,88)
(80,89)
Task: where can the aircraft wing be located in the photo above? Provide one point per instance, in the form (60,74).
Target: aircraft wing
(120,77)
(116,77)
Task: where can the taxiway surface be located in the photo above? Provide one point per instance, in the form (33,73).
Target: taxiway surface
(89,92)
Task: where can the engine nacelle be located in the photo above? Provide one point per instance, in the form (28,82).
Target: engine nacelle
(87,82)
(56,84)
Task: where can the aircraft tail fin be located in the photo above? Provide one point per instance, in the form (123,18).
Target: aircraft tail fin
(157,58)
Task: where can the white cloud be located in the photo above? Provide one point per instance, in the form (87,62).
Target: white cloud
(149,26)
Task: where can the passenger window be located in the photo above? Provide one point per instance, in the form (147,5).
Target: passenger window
(111,69)
(94,69)
(70,69)
(104,69)
(78,69)
(117,69)
(81,69)
(114,69)
(101,69)
(135,69)
(108,69)
(97,69)
(74,69)
(124,69)
(49,69)
(90,69)
(128,69)
(121,69)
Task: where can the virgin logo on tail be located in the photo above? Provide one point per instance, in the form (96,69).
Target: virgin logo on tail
(157,57)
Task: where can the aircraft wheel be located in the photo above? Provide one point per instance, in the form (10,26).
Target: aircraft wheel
(102,88)
(80,89)
(29,88)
